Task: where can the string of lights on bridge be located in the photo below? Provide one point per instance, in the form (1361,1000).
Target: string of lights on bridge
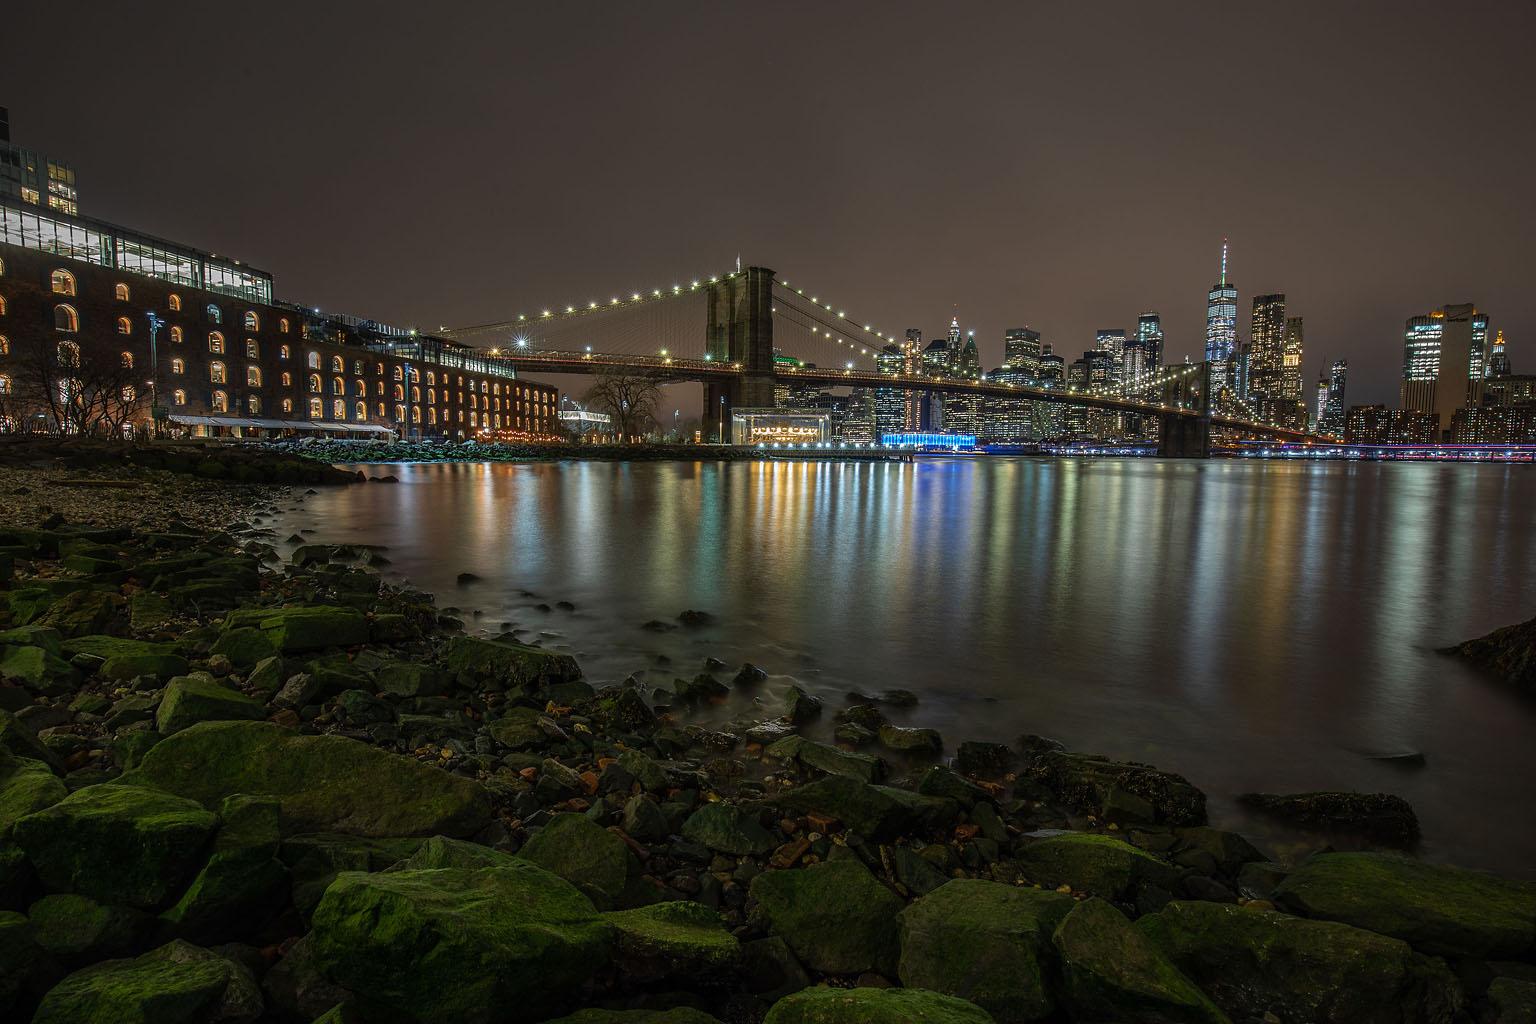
(555,314)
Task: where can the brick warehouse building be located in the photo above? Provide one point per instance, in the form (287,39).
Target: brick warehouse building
(220,357)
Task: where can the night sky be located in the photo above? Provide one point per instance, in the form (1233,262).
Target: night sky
(1064,166)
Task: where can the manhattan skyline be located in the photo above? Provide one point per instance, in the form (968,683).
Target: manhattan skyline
(1031,169)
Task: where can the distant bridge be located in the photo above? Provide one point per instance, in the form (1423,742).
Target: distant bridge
(720,332)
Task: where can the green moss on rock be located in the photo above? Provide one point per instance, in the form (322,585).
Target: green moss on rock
(591,858)
(26,786)
(881,813)
(874,1006)
(986,942)
(835,916)
(324,783)
(729,828)
(682,941)
(175,984)
(77,930)
(1100,865)
(201,698)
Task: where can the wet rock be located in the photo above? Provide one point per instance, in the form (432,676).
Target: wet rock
(1435,908)
(658,626)
(483,940)
(1255,961)
(701,689)
(1094,864)
(244,647)
(879,813)
(76,930)
(826,758)
(985,942)
(801,707)
(505,664)
(176,984)
(310,628)
(243,884)
(923,742)
(591,858)
(121,659)
(412,679)
(683,942)
(835,916)
(986,760)
(1111,971)
(324,783)
(874,1006)
(728,828)
(200,698)
(1508,653)
(748,675)
(1083,782)
(695,619)
(26,786)
(645,820)
(1378,817)
(123,845)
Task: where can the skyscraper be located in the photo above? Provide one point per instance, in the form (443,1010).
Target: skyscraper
(1267,354)
(1445,352)
(1221,326)
(1498,363)
(35,178)
(1149,334)
(1332,421)
(968,364)
(1290,360)
(952,345)
(1021,349)
(1111,340)
(1320,412)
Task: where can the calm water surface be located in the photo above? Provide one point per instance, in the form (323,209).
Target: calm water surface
(1251,625)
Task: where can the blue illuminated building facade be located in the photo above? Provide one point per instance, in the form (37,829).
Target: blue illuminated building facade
(925,439)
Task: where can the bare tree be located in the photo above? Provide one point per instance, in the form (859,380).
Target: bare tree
(630,399)
(93,391)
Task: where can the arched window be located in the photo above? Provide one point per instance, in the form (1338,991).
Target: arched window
(178,397)
(314,360)
(316,409)
(173,302)
(431,378)
(338,365)
(415,394)
(338,386)
(216,342)
(287,379)
(314,383)
(357,367)
(127,360)
(2,268)
(378,388)
(65,318)
(473,421)
(431,417)
(287,405)
(178,365)
(360,388)
(220,402)
(399,374)
(176,335)
(378,368)
(214,316)
(282,352)
(362,411)
(216,373)
(399,392)
(63,282)
(120,292)
(2,305)
(381,410)
(431,396)
(253,376)
(252,321)
(253,404)
(124,325)
(128,394)
(338,409)
(415,376)
(416,414)
(282,325)
(5,384)
(69,354)
(252,350)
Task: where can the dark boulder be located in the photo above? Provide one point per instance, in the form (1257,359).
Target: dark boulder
(1378,817)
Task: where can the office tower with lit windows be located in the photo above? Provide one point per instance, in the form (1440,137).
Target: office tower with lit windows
(1290,359)
(1498,362)
(1266,356)
(1332,420)
(1021,349)
(34,178)
(1221,326)
(1320,410)
(1445,355)
(1112,340)
(968,363)
(890,404)
(1149,340)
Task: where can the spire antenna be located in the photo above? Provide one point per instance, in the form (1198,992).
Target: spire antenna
(1223,261)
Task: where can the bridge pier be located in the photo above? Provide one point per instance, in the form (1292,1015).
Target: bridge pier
(740,332)
(1182,436)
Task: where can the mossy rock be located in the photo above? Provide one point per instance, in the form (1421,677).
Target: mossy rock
(38,670)
(683,941)
(518,729)
(1099,865)
(836,916)
(26,969)
(826,758)
(986,942)
(881,813)
(591,858)
(201,698)
(303,628)
(315,859)
(123,845)
(324,783)
(410,679)
(78,930)
(874,1006)
(124,659)
(17,738)
(729,828)
(234,894)
(26,786)
(442,852)
(1111,971)
(676,1015)
(1255,961)
(1435,908)
(176,984)
(504,664)
(459,946)
(82,612)
(244,647)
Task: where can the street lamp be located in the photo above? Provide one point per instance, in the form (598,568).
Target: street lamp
(155,323)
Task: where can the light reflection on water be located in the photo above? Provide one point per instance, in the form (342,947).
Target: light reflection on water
(1252,625)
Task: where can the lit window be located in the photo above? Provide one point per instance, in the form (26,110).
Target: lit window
(173,303)
(252,321)
(253,404)
(316,409)
(287,405)
(220,402)
(2,268)
(416,414)
(2,305)
(282,352)
(216,342)
(287,380)
(63,282)
(178,366)
(253,376)
(120,292)
(415,394)
(360,388)
(357,367)
(65,318)
(314,360)
(399,393)
(381,410)
(362,410)
(338,386)
(5,384)
(69,354)
(431,378)
(282,325)
(399,373)
(179,397)
(5,345)
(252,350)
(432,417)
(216,373)
(214,316)
(314,383)
(124,325)
(337,364)
(127,360)
(176,335)
(378,389)
(431,396)
(338,410)
(378,368)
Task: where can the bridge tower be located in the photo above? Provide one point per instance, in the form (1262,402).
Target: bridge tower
(1185,436)
(740,330)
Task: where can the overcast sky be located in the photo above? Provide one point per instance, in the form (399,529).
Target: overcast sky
(1064,166)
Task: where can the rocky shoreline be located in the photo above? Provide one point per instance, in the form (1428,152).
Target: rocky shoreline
(237,788)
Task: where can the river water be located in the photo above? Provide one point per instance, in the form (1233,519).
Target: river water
(1254,626)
